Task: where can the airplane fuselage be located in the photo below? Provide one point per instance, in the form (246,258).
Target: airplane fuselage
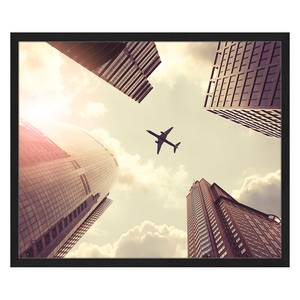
(161,138)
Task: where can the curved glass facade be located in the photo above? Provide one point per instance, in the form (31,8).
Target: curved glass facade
(64,175)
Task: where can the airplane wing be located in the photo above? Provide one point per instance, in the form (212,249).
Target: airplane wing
(167,132)
(159,144)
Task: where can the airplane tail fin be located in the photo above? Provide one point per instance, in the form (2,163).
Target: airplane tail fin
(176,146)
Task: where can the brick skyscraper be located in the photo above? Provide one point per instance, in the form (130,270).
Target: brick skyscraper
(64,180)
(125,65)
(245,85)
(220,227)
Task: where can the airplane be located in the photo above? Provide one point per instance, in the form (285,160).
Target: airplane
(162,138)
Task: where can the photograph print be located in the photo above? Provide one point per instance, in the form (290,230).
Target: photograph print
(150,149)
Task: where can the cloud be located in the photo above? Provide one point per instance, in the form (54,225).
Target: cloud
(204,51)
(193,61)
(41,86)
(147,240)
(170,184)
(261,192)
(54,87)
(94,110)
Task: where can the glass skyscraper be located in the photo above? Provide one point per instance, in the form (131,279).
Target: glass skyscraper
(64,179)
(245,85)
(125,65)
(218,226)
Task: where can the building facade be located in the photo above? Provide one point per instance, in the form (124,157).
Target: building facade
(124,65)
(218,226)
(64,179)
(245,85)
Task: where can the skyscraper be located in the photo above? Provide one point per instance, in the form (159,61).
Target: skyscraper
(64,180)
(125,65)
(220,227)
(245,85)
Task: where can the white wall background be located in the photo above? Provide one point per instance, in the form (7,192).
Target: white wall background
(96,283)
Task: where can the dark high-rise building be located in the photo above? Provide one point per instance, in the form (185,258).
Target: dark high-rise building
(220,227)
(125,65)
(64,180)
(245,85)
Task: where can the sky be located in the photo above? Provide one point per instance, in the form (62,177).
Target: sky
(148,215)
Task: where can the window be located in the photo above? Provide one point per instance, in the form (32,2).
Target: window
(203,235)
(243,251)
(271,249)
(39,246)
(47,238)
(216,229)
(202,228)
(218,239)
(217,234)
(224,254)
(54,232)
(205,246)
(276,245)
(220,250)
(251,223)
(263,239)
(219,245)
(268,235)
(60,226)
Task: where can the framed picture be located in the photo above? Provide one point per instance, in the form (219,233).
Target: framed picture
(150,149)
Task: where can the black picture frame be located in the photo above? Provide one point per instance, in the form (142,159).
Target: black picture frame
(284,261)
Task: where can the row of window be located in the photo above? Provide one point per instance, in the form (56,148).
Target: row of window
(36,210)
(145,58)
(127,77)
(75,164)
(203,244)
(151,61)
(237,240)
(207,204)
(212,219)
(255,122)
(52,234)
(125,72)
(243,56)
(85,184)
(251,86)
(257,241)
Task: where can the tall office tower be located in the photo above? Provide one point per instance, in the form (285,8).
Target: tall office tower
(220,227)
(125,65)
(64,179)
(245,85)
